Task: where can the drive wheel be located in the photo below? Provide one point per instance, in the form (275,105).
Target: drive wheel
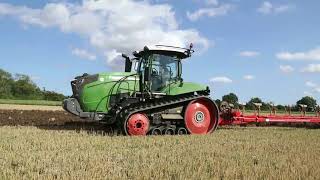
(137,125)
(201,116)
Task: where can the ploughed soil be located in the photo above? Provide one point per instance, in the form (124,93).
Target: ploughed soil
(50,120)
(61,120)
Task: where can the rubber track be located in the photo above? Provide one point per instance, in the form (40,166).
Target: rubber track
(168,102)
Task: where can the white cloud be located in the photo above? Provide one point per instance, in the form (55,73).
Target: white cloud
(269,8)
(312,68)
(114,59)
(311,55)
(212,2)
(249,53)
(207,2)
(35,78)
(307,93)
(311,84)
(248,77)
(315,87)
(221,79)
(282,8)
(265,8)
(210,12)
(108,26)
(286,68)
(84,54)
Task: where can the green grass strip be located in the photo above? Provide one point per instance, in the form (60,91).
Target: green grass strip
(31,102)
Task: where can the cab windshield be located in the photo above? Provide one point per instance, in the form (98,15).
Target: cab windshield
(165,69)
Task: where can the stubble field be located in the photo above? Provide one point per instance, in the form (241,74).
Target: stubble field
(55,145)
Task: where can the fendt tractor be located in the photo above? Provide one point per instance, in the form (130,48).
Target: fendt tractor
(150,97)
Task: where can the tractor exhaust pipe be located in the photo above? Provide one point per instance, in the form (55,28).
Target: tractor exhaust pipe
(182,131)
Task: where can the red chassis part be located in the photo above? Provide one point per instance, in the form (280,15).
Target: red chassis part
(237,118)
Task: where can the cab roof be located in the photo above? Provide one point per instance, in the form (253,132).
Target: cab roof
(181,53)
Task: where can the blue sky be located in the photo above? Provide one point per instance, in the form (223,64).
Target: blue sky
(269,49)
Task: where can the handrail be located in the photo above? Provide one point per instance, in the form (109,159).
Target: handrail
(112,89)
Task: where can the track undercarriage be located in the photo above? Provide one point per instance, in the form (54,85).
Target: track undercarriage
(194,114)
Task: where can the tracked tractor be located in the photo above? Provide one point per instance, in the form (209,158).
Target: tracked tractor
(150,97)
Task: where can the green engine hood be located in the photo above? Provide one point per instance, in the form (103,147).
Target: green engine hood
(177,88)
(95,95)
(114,76)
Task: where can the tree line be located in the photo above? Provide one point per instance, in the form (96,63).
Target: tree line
(232,98)
(20,86)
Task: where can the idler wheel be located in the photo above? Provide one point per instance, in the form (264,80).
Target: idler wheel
(169,131)
(137,125)
(182,131)
(156,131)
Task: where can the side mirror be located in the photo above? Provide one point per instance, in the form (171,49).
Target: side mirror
(146,74)
(125,56)
(128,65)
(136,54)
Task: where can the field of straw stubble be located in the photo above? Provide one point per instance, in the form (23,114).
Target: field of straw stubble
(53,145)
(241,153)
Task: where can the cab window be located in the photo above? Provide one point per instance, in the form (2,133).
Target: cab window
(164,70)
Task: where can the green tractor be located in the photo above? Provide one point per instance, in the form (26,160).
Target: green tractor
(150,97)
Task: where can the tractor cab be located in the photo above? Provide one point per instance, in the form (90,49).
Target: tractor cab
(164,69)
(158,66)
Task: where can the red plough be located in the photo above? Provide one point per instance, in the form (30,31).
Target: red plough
(230,116)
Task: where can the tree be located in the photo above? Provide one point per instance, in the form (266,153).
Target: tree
(6,82)
(218,102)
(280,107)
(53,96)
(231,98)
(255,100)
(250,105)
(24,88)
(309,101)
